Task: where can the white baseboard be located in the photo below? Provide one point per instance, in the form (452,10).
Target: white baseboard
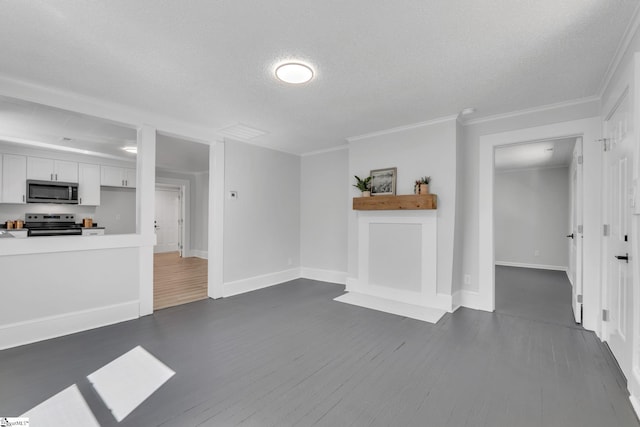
(635,403)
(321,275)
(258,282)
(198,254)
(570,278)
(469,299)
(538,266)
(20,333)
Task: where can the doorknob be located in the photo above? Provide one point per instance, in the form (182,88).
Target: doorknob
(623,257)
(570,235)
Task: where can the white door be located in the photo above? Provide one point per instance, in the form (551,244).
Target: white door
(14,179)
(88,184)
(167,222)
(576,236)
(618,158)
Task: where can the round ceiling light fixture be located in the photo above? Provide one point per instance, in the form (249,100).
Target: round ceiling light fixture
(294,73)
(131,149)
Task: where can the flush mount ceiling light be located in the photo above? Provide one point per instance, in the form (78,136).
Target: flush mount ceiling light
(294,73)
(131,149)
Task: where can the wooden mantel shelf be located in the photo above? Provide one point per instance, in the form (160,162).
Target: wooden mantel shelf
(394,203)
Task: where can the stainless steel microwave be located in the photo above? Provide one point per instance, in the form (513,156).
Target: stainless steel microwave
(52,192)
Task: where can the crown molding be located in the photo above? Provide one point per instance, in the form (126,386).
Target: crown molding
(629,33)
(402,128)
(326,150)
(532,110)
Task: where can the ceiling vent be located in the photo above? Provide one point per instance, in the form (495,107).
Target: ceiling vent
(242,132)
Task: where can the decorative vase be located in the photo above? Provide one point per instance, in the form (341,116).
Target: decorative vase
(424,188)
(366,193)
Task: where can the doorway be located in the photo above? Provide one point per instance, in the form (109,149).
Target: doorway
(533,206)
(181,271)
(169,219)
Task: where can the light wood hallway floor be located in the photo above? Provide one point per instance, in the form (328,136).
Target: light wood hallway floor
(178,280)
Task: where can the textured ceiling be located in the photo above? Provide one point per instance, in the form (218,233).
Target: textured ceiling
(379,64)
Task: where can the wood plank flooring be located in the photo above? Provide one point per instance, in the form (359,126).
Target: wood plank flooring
(178,280)
(289,355)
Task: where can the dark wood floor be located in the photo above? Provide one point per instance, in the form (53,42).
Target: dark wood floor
(289,355)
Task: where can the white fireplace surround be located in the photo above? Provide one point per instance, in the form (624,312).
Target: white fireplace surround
(425,268)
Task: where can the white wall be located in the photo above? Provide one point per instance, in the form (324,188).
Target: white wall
(531,211)
(262,226)
(44,295)
(426,150)
(323,212)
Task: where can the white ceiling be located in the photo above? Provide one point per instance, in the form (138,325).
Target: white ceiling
(543,154)
(378,64)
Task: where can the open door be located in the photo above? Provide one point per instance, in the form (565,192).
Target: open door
(619,280)
(576,236)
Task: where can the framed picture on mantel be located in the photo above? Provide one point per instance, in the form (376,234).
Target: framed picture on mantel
(383,182)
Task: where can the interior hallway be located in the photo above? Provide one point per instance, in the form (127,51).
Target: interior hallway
(534,294)
(290,355)
(178,280)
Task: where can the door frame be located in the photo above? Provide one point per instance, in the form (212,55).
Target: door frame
(183,187)
(590,130)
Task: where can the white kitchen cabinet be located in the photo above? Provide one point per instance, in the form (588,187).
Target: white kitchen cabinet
(43,169)
(88,184)
(14,179)
(112,176)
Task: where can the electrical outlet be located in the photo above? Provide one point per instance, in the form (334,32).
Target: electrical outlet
(232,195)
(536,252)
(467,279)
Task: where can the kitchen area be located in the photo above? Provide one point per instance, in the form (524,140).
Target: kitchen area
(64,174)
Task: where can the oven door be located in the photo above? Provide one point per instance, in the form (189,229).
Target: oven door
(52,192)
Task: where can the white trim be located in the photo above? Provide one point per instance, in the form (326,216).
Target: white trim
(258,282)
(51,244)
(215,243)
(635,404)
(569,277)
(418,312)
(589,128)
(468,299)
(537,266)
(21,333)
(326,150)
(145,213)
(321,275)
(198,254)
(629,33)
(541,108)
(402,128)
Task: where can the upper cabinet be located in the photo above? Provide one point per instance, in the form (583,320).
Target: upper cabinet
(112,176)
(51,170)
(88,184)
(14,179)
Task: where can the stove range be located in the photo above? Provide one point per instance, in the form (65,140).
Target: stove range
(52,224)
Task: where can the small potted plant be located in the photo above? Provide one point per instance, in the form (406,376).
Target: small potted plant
(422,185)
(363,185)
